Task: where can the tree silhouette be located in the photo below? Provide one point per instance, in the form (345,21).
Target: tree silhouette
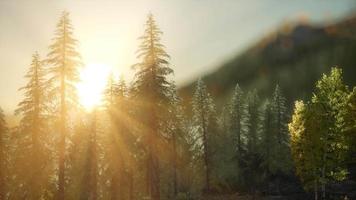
(64,61)
(33,125)
(151,86)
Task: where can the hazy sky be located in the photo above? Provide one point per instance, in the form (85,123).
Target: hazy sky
(198,34)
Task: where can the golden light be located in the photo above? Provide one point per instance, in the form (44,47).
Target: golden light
(93,80)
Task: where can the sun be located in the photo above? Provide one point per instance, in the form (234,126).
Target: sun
(93,80)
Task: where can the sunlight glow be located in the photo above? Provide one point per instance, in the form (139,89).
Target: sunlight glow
(92,85)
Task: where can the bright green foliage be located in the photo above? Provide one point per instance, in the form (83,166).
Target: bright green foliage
(304,143)
(329,99)
(318,141)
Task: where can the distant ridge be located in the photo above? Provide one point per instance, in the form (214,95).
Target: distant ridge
(295,59)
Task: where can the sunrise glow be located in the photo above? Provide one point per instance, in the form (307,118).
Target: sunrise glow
(93,79)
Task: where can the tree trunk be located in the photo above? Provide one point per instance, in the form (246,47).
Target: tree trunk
(315,190)
(175,189)
(94,162)
(61,161)
(61,167)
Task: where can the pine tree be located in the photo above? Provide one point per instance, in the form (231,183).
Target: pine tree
(204,121)
(64,61)
(176,129)
(268,142)
(238,119)
(3,133)
(253,158)
(253,103)
(151,88)
(33,110)
(280,136)
(280,120)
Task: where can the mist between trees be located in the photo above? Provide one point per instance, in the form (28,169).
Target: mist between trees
(143,144)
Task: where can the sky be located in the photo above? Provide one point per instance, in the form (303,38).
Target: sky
(198,34)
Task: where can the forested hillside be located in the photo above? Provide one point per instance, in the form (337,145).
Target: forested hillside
(294,57)
(138,141)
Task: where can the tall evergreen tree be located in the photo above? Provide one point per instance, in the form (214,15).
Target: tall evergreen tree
(176,129)
(268,142)
(33,110)
(253,106)
(64,60)
(238,121)
(280,120)
(253,157)
(151,88)
(280,137)
(204,121)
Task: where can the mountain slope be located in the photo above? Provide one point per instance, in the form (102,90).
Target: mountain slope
(294,59)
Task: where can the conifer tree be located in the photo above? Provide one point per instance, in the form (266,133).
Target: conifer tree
(253,105)
(204,121)
(238,121)
(280,121)
(64,61)
(33,110)
(268,141)
(253,158)
(280,137)
(176,129)
(151,88)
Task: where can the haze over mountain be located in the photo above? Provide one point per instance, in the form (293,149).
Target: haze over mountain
(294,57)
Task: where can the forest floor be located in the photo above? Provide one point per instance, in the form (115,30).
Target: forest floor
(251,197)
